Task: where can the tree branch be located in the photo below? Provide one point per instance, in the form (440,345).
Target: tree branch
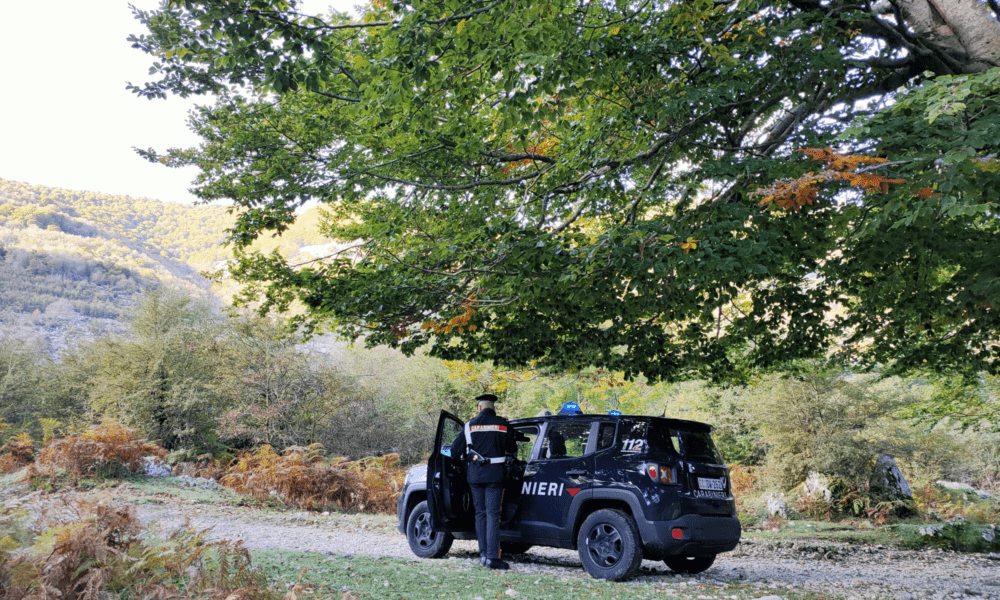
(449,188)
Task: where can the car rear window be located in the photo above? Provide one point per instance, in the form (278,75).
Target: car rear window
(642,437)
(698,446)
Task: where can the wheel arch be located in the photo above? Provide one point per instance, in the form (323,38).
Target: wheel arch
(608,499)
(413,498)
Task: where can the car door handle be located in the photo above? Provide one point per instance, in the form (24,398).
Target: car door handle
(529,471)
(576,473)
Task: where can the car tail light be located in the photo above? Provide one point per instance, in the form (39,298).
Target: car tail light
(661,473)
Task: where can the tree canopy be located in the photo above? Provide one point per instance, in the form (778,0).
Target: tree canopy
(650,186)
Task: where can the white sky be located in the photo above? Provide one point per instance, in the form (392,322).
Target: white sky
(66,119)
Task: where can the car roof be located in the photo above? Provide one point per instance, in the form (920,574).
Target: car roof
(682,424)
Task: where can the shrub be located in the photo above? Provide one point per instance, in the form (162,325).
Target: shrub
(100,551)
(834,424)
(188,462)
(107,450)
(962,536)
(939,502)
(382,478)
(300,478)
(17,454)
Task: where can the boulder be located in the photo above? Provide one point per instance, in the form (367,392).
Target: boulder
(962,487)
(887,479)
(154,466)
(818,485)
(776,505)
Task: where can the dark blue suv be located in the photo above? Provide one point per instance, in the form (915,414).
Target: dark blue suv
(615,488)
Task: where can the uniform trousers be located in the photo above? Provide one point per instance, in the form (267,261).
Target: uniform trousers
(487,499)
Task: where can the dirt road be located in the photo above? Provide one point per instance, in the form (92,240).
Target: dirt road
(851,571)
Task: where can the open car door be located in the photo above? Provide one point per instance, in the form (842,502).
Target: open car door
(448,495)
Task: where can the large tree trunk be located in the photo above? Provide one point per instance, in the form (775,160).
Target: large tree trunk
(964,28)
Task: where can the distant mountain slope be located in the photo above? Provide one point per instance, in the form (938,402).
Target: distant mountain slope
(72,263)
(190,234)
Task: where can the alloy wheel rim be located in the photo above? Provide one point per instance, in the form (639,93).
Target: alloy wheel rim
(422,531)
(605,545)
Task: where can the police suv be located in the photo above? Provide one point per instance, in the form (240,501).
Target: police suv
(616,488)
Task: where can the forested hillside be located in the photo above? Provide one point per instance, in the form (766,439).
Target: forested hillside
(72,263)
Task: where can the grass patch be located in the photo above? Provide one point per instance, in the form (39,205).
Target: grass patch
(315,575)
(157,490)
(903,534)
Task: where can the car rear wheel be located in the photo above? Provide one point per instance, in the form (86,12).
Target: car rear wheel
(424,541)
(689,565)
(609,545)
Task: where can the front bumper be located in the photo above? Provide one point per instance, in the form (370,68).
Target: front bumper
(401,513)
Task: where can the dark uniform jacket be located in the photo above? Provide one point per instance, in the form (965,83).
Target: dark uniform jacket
(491,438)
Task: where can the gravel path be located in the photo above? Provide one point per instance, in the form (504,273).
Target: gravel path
(851,571)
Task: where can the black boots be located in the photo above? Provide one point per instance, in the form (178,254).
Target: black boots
(496,564)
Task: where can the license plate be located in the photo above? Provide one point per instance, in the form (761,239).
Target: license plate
(718,485)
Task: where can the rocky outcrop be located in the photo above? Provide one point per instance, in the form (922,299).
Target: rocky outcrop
(888,481)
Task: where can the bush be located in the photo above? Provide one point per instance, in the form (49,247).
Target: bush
(382,481)
(939,502)
(962,536)
(834,424)
(100,551)
(104,451)
(17,454)
(300,478)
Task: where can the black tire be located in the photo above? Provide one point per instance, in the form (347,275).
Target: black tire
(609,545)
(425,542)
(514,548)
(689,565)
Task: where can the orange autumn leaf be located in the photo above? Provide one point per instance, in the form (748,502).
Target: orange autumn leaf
(796,193)
(690,244)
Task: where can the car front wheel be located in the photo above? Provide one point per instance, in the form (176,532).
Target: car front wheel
(609,545)
(689,565)
(424,541)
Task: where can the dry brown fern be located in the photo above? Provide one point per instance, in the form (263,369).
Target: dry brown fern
(108,448)
(17,454)
(745,482)
(88,549)
(300,477)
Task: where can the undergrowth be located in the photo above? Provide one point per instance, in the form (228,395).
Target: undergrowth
(962,536)
(302,478)
(87,551)
(104,451)
(946,504)
(17,453)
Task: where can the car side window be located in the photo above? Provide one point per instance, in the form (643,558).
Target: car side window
(565,440)
(525,437)
(605,436)
(450,431)
(633,437)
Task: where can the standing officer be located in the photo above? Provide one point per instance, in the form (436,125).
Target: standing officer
(486,441)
